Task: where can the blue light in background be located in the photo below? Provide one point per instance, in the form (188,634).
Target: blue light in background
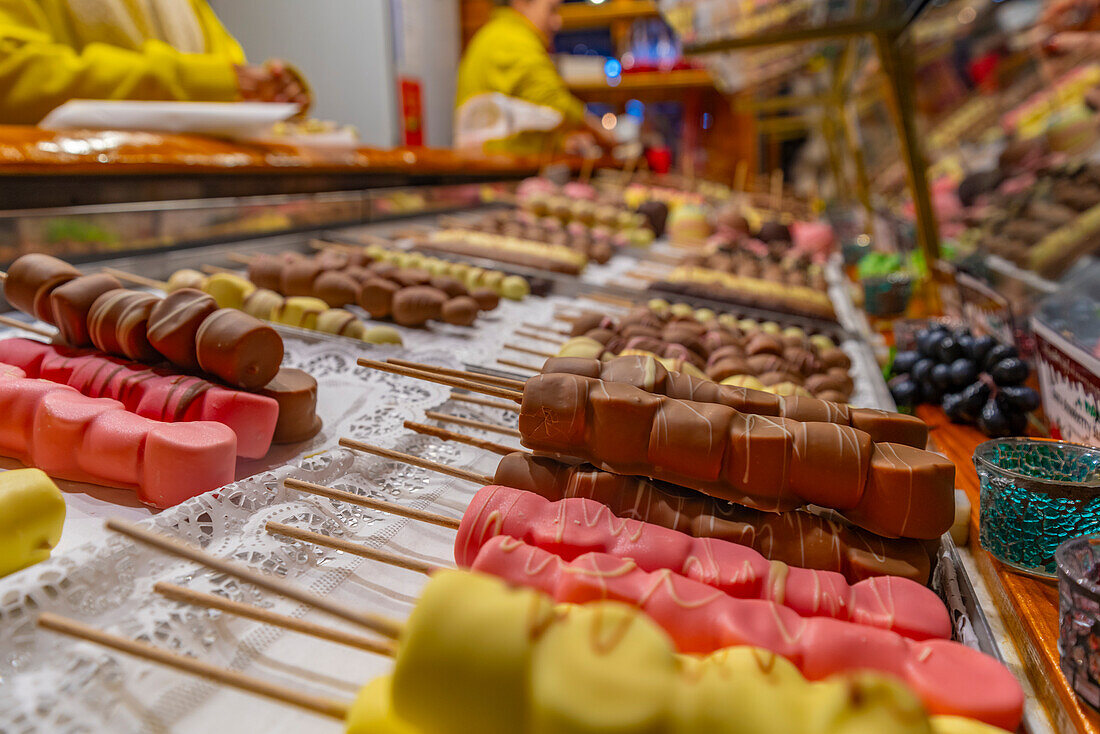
(612,68)
(635,108)
(707,119)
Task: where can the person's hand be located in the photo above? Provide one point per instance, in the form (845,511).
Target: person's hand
(1061,15)
(272,81)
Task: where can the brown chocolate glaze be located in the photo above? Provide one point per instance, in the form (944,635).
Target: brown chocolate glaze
(797,538)
(487,299)
(335,288)
(174,325)
(71,303)
(460,311)
(296,393)
(118,323)
(31,279)
(239,349)
(418,304)
(266,271)
(647,374)
(767,463)
(376,297)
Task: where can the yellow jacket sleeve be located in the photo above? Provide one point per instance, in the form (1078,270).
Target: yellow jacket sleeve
(538,81)
(39,72)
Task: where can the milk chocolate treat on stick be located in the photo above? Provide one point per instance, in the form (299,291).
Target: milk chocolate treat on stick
(239,349)
(174,325)
(296,393)
(647,374)
(413,306)
(460,311)
(71,304)
(335,288)
(31,279)
(376,297)
(118,324)
(797,537)
(767,463)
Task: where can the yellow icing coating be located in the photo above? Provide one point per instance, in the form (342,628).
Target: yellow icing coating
(382,335)
(301,311)
(228,290)
(480,657)
(32,513)
(468,636)
(186,278)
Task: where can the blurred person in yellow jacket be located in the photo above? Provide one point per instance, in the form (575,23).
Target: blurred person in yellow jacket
(510,97)
(52,51)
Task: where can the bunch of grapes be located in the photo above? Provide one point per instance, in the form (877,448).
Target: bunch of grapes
(974,378)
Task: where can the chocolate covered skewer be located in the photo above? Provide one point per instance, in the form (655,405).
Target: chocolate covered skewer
(763,462)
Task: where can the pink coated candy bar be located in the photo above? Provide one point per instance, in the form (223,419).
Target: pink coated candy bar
(949,678)
(574,526)
(96,440)
(159,394)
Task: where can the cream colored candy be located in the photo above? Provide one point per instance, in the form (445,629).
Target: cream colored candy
(382,335)
(261,303)
(228,290)
(681,309)
(822,342)
(748,381)
(748,325)
(704,315)
(341,322)
(581,346)
(658,306)
(514,287)
(770,327)
(372,711)
(32,513)
(185,278)
(300,311)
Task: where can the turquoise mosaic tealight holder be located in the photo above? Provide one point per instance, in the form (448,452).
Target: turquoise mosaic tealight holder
(1034,496)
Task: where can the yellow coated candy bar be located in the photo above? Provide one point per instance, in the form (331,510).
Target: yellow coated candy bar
(32,513)
(228,290)
(463,661)
(300,311)
(372,712)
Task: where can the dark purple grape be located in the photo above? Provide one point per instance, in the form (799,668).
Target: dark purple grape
(922,369)
(1020,397)
(904,362)
(996,354)
(953,406)
(905,393)
(927,341)
(929,393)
(948,350)
(1011,371)
(963,372)
(941,376)
(993,420)
(980,347)
(973,398)
(965,342)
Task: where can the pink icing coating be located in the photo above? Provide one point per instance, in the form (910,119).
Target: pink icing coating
(949,678)
(159,394)
(96,440)
(574,526)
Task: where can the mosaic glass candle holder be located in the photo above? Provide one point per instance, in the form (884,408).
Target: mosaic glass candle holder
(1078,562)
(1035,495)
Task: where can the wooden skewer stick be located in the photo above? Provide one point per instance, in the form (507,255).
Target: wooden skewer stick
(251,611)
(319,704)
(612,300)
(446,435)
(470,423)
(356,549)
(377,623)
(518,365)
(538,337)
(547,329)
(214,269)
(136,279)
(533,352)
(32,328)
(236,257)
(464,374)
(475,400)
(450,471)
(499,449)
(369,502)
(478,387)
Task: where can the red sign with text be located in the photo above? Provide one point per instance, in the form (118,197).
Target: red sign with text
(412,111)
